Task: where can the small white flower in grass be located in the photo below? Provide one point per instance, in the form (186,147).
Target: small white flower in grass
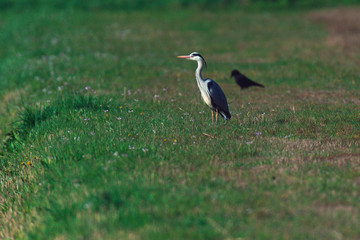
(54,41)
(154,131)
(60,88)
(249,142)
(145,150)
(69,131)
(118,118)
(106,110)
(131,111)
(287,136)
(193,136)
(116,154)
(92,133)
(131,148)
(87,88)
(86,119)
(136,100)
(249,211)
(156,96)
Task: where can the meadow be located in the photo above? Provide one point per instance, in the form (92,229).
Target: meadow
(105,136)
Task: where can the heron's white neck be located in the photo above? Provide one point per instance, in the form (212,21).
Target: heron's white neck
(198,71)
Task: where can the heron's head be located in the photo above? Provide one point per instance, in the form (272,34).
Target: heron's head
(193,56)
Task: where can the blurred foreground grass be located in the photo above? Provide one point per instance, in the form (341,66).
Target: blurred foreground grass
(113,142)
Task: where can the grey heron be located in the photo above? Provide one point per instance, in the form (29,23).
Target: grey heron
(243,81)
(210,91)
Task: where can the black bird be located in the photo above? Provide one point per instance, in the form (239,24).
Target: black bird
(243,81)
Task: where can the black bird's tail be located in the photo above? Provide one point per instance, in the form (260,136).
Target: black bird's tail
(258,84)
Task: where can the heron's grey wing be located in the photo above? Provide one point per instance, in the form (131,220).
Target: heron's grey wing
(217,96)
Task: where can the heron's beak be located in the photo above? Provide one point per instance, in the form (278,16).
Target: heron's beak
(183,56)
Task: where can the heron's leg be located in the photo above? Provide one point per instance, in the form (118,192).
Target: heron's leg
(212,114)
(217,113)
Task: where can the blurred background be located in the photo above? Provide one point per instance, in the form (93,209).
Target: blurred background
(128,5)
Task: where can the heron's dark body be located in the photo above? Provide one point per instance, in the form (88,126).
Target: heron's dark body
(218,100)
(243,81)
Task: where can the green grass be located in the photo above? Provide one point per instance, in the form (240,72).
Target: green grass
(106,137)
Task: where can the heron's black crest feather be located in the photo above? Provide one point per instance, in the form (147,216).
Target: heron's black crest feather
(203,60)
(197,54)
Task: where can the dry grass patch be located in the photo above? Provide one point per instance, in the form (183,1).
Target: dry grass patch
(304,151)
(343,24)
(12,222)
(343,160)
(333,210)
(329,97)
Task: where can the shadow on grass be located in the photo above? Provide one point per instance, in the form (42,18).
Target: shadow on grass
(32,116)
